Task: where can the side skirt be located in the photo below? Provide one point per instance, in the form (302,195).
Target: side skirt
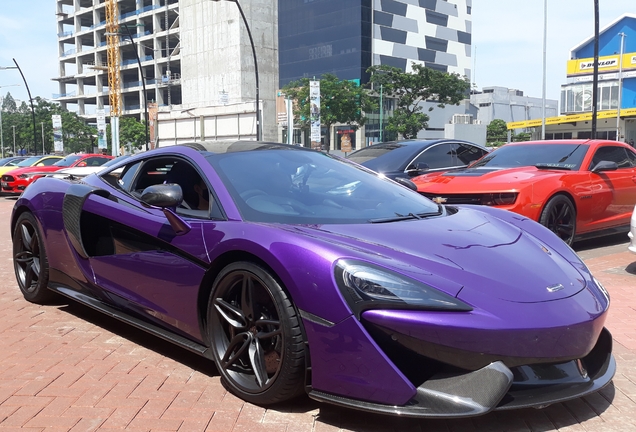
(94,303)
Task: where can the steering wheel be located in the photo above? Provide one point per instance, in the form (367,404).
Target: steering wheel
(251,193)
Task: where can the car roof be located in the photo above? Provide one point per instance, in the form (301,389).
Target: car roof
(237,146)
(400,154)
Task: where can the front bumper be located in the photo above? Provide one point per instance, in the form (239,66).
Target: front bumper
(497,387)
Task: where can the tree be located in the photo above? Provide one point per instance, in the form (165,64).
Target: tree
(497,132)
(77,135)
(341,101)
(131,132)
(411,89)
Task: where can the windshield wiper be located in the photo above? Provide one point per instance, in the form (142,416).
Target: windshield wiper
(398,217)
(550,166)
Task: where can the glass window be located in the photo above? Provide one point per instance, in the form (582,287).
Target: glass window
(566,156)
(612,154)
(436,157)
(605,98)
(67,161)
(467,154)
(50,161)
(306,187)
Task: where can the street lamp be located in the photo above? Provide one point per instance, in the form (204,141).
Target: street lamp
(30,100)
(249,33)
(143,78)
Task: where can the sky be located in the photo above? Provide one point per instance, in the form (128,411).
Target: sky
(507,38)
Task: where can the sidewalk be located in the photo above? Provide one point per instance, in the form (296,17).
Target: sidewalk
(66,368)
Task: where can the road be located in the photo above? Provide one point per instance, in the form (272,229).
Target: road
(65,368)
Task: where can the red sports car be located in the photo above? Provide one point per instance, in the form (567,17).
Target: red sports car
(576,188)
(16,180)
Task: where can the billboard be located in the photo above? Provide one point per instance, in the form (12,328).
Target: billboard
(101,129)
(611,63)
(314,114)
(58,143)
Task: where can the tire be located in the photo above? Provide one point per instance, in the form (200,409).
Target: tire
(559,216)
(255,335)
(29,260)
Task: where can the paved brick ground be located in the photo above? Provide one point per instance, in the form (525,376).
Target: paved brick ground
(66,368)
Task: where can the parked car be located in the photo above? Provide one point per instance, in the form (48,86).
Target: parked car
(27,161)
(632,232)
(576,188)
(78,172)
(9,163)
(296,272)
(16,181)
(410,158)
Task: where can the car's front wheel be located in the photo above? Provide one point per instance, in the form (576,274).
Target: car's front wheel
(255,335)
(29,260)
(559,216)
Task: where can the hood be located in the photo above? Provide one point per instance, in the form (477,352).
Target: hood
(472,180)
(34,169)
(467,250)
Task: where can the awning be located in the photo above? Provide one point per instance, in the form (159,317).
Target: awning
(587,116)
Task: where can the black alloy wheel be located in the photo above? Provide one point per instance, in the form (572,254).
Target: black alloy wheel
(559,216)
(29,260)
(255,335)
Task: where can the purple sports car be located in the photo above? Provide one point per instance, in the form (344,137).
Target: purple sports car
(297,272)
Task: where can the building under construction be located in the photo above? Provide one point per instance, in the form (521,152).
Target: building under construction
(195,57)
(83,52)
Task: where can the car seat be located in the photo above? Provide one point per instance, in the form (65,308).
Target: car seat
(185,176)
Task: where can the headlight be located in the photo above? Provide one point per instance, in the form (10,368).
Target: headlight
(366,286)
(602,289)
(504,198)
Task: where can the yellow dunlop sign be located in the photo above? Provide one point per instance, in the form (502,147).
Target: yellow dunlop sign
(587,116)
(605,64)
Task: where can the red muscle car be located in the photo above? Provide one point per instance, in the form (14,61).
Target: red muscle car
(576,188)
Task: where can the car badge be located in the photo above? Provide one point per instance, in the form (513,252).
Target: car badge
(439,200)
(554,288)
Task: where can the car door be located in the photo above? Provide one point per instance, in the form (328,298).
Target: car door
(618,187)
(136,256)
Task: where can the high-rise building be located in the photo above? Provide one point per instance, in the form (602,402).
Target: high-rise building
(345,37)
(208,82)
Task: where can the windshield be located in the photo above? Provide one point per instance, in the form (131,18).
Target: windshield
(29,161)
(304,187)
(566,156)
(68,161)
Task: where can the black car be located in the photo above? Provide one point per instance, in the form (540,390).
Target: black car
(410,158)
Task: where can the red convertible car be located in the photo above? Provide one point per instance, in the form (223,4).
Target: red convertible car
(576,188)
(15,181)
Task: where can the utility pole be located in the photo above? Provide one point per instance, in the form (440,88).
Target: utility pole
(381,114)
(43,151)
(620,88)
(13,139)
(595,79)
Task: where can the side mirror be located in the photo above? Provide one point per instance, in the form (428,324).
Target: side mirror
(417,169)
(82,164)
(163,195)
(40,164)
(604,166)
(167,197)
(406,182)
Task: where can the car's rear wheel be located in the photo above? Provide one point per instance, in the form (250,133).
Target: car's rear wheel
(29,260)
(559,216)
(255,335)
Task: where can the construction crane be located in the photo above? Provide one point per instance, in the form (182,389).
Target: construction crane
(114,84)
